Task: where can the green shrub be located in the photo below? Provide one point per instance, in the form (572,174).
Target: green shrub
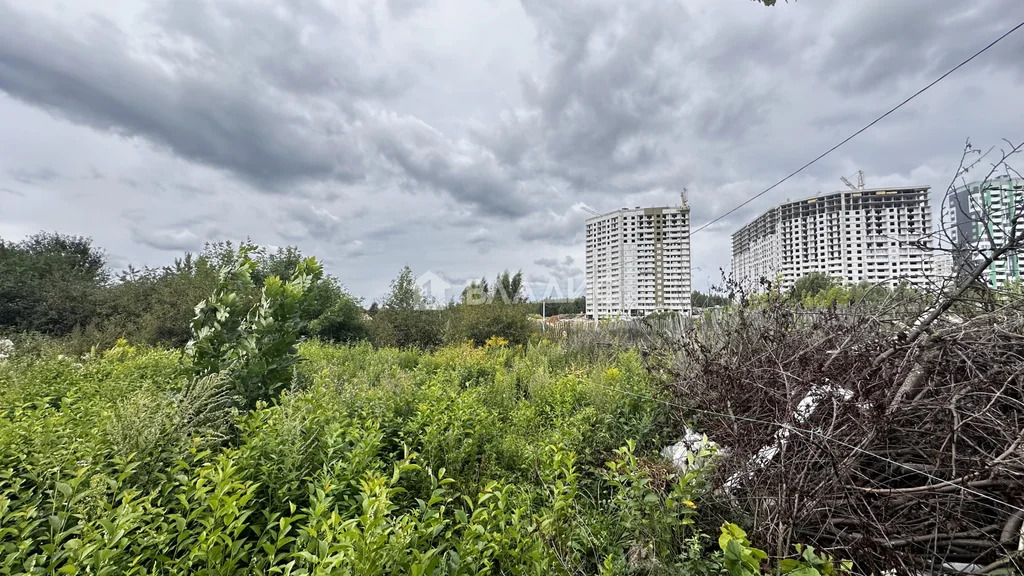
(155,305)
(254,348)
(408,328)
(50,283)
(344,321)
(478,322)
(812,284)
(465,460)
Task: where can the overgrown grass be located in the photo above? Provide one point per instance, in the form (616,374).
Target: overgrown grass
(469,460)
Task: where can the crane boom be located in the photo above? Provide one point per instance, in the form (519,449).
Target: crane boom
(860,181)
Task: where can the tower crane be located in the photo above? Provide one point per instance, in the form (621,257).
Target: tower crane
(860,181)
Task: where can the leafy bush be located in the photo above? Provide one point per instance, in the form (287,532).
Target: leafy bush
(429,329)
(50,283)
(322,479)
(741,559)
(466,460)
(477,323)
(408,328)
(59,285)
(154,306)
(812,284)
(862,293)
(343,321)
(709,300)
(254,349)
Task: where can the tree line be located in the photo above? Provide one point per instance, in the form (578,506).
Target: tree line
(61,286)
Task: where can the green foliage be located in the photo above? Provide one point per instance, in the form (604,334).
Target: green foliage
(562,306)
(738,556)
(476,292)
(490,455)
(835,294)
(253,347)
(508,288)
(477,323)
(404,294)
(155,305)
(343,321)
(429,329)
(326,297)
(701,300)
(466,460)
(810,563)
(742,559)
(831,296)
(659,315)
(408,328)
(50,283)
(811,285)
(57,285)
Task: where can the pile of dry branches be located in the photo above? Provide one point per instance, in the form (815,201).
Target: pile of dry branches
(889,432)
(897,446)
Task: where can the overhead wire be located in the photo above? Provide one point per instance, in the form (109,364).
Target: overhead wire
(859,132)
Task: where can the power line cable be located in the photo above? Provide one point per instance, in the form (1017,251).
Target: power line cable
(858,132)
(813,433)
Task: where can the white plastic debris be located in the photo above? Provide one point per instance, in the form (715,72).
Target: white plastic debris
(691,444)
(6,349)
(803,411)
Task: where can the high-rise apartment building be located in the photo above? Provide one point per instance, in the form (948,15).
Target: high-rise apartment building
(980,216)
(638,262)
(878,235)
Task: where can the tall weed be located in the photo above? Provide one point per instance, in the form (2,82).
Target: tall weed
(494,460)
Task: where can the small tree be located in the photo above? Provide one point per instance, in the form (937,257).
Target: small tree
(404,294)
(50,282)
(476,292)
(508,288)
(253,346)
(342,322)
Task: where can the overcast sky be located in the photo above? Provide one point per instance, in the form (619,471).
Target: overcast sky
(460,136)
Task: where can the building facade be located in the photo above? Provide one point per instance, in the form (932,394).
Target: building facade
(877,235)
(942,268)
(980,216)
(638,262)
